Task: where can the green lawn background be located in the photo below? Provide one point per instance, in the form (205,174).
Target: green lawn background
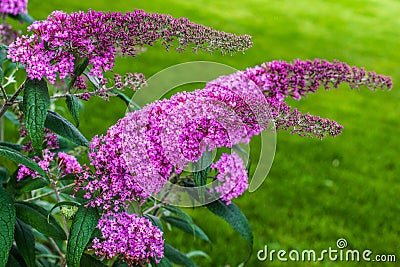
(307,202)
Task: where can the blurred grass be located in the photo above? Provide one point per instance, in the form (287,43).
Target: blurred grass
(317,191)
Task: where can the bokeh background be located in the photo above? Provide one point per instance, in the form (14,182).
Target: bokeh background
(317,191)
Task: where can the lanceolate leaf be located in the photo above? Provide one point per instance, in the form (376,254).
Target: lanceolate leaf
(64,128)
(186,227)
(28,184)
(7,225)
(80,65)
(17,157)
(232,214)
(84,223)
(36,103)
(26,242)
(4,175)
(11,117)
(90,261)
(3,56)
(15,259)
(11,145)
(177,257)
(36,217)
(23,18)
(73,107)
(180,213)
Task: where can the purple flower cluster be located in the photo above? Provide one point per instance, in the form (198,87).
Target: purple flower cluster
(142,150)
(14,7)
(44,163)
(66,164)
(232,176)
(56,43)
(279,79)
(50,140)
(133,239)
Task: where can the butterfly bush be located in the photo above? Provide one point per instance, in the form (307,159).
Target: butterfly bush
(132,238)
(141,151)
(55,44)
(13,7)
(149,147)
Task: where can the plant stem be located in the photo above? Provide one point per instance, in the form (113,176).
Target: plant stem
(48,194)
(53,184)
(1,128)
(56,247)
(11,101)
(159,205)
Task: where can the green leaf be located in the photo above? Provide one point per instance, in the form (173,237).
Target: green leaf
(64,128)
(80,65)
(201,168)
(15,259)
(3,57)
(7,225)
(73,107)
(186,227)
(11,117)
(23,18)
(36,217)
(177,257)
(132,106)
(65,145)
(12,262)
(26,242)
(232,214)
(93,79)
(90,261)
(4,175)
(11,145)
(84,223)
(28,184)
(18,157)
(3,53)
(36,103)
(198,253)
(180,213)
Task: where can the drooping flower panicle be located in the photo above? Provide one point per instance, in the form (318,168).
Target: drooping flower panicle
(280,79)
(55,43)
